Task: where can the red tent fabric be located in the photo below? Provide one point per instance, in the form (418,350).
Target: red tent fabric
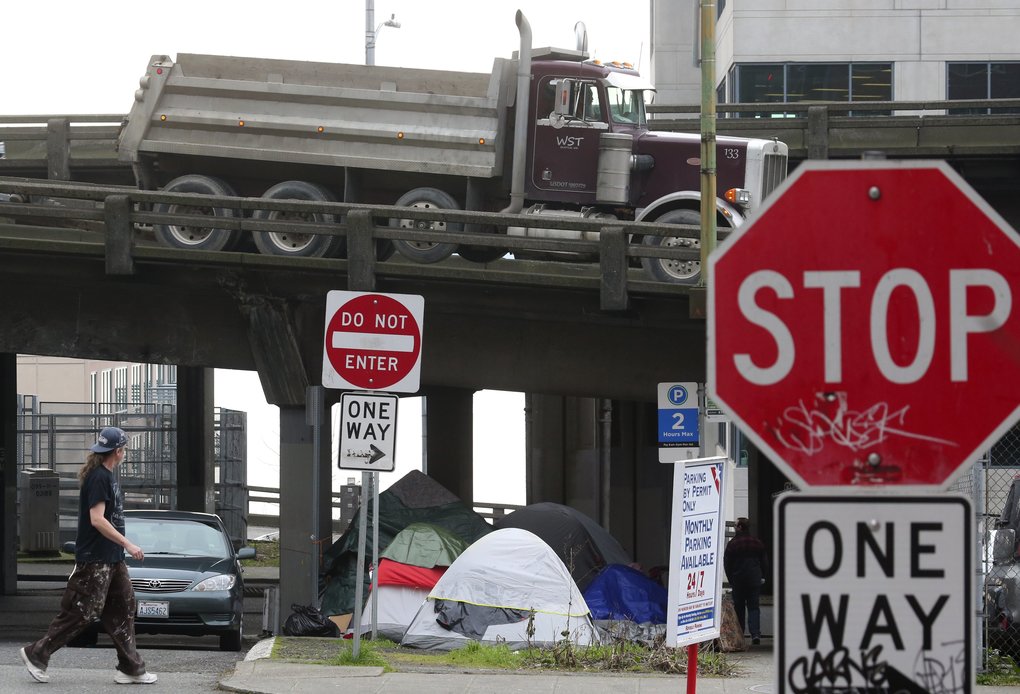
(394,573)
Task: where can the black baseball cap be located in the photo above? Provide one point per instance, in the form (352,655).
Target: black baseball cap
(110,438)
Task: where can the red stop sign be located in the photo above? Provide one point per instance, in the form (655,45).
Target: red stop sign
(373,341)
(863,329)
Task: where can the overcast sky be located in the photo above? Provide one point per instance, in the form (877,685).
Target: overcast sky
(86,57)
(63,57)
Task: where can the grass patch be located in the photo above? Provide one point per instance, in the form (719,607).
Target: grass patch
(1000,670)
(617,657)
(267,553)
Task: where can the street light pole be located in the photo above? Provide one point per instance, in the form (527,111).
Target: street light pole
(372,31)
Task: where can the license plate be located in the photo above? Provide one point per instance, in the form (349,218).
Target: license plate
(154,609)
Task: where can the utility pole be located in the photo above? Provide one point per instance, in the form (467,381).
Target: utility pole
(708,118)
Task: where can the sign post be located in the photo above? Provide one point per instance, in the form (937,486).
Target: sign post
(862,332)
(372,342)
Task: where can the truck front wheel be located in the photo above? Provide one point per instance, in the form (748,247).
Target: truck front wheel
(422,250)
(297,243)
(192,236)
(671,269)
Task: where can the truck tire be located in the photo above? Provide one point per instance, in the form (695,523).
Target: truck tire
(190,237)
(298,244)
(669,269)
(425,251)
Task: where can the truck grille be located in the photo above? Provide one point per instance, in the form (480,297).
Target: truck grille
(773,173)
(160,585)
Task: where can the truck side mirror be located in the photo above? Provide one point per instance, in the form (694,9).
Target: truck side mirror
(564,105)
(1003,546)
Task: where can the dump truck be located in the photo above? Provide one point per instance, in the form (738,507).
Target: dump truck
(548,132)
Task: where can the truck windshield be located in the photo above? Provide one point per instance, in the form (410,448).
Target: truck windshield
(627,106)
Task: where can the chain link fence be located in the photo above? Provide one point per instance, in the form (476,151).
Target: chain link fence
(998,521)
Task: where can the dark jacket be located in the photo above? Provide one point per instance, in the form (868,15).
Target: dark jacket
(745,561)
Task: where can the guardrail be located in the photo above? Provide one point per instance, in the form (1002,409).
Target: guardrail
(117,216)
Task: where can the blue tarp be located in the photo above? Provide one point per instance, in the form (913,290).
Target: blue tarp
(620,592)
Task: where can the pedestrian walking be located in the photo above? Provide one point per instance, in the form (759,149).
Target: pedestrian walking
(746,564)
(99,587)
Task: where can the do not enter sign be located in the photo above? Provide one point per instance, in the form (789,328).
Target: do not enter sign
(373,341)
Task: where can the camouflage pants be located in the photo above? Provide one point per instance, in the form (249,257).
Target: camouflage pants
(95,591)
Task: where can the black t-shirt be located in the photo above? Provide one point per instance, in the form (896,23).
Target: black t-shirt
(91,545)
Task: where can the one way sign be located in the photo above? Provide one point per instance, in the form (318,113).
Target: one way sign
(368,431)
(874,594)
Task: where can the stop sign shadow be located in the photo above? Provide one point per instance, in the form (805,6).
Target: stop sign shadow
(863,328)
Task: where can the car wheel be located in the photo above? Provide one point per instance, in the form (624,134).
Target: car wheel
(670,270)
(232,640)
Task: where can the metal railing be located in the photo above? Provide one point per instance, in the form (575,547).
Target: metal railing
(117,216)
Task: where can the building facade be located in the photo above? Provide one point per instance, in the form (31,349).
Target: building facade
(775,51)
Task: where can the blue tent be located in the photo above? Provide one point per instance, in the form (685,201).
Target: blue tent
(620,592)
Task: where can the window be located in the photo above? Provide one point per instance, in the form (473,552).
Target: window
(769,83)
(983,81)
(626,106)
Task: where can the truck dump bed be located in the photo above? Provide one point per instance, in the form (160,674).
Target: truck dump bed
(328,114)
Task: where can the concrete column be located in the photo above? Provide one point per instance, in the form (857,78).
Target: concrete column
(8,474)
(299,555)
(543,421)
(195,449)
(449,440)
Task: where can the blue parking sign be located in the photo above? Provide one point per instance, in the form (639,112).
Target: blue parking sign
(678,420)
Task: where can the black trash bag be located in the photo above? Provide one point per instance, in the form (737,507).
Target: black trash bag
(308,621)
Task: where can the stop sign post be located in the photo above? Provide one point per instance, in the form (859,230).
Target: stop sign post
(373,341)
(862,328)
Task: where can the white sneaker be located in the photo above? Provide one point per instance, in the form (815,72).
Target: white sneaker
(124,678)
(37,673)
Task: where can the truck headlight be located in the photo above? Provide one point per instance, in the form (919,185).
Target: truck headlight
(738,196)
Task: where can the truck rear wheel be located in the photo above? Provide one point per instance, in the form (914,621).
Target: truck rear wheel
(422,251)
(196,237)
(670,269)
(297,243)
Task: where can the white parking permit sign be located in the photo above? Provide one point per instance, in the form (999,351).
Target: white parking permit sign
(874,593)
(696,538)
(368,431)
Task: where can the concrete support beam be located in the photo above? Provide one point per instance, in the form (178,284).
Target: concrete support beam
(360,252)
(299,555)
(818,132)
(195,428)
(449,445)
(543,424)
(119,235)
(613,263)
(274,346)
(58,149)
(8,474)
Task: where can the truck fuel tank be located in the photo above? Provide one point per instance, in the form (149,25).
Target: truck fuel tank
(589,213)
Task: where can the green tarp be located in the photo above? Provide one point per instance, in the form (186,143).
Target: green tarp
(425,545)
(414,498)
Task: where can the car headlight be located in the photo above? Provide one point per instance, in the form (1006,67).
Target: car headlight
(221,582)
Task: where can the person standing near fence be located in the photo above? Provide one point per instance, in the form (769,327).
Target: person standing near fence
(99,587)
(746,564)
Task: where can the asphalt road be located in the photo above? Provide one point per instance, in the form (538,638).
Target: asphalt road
(187,664)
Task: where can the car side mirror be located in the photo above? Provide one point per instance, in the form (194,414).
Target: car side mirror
(1003,546)
(246,553)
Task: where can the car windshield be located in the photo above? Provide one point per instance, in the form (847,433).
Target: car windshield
(626,105)
(181,537)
